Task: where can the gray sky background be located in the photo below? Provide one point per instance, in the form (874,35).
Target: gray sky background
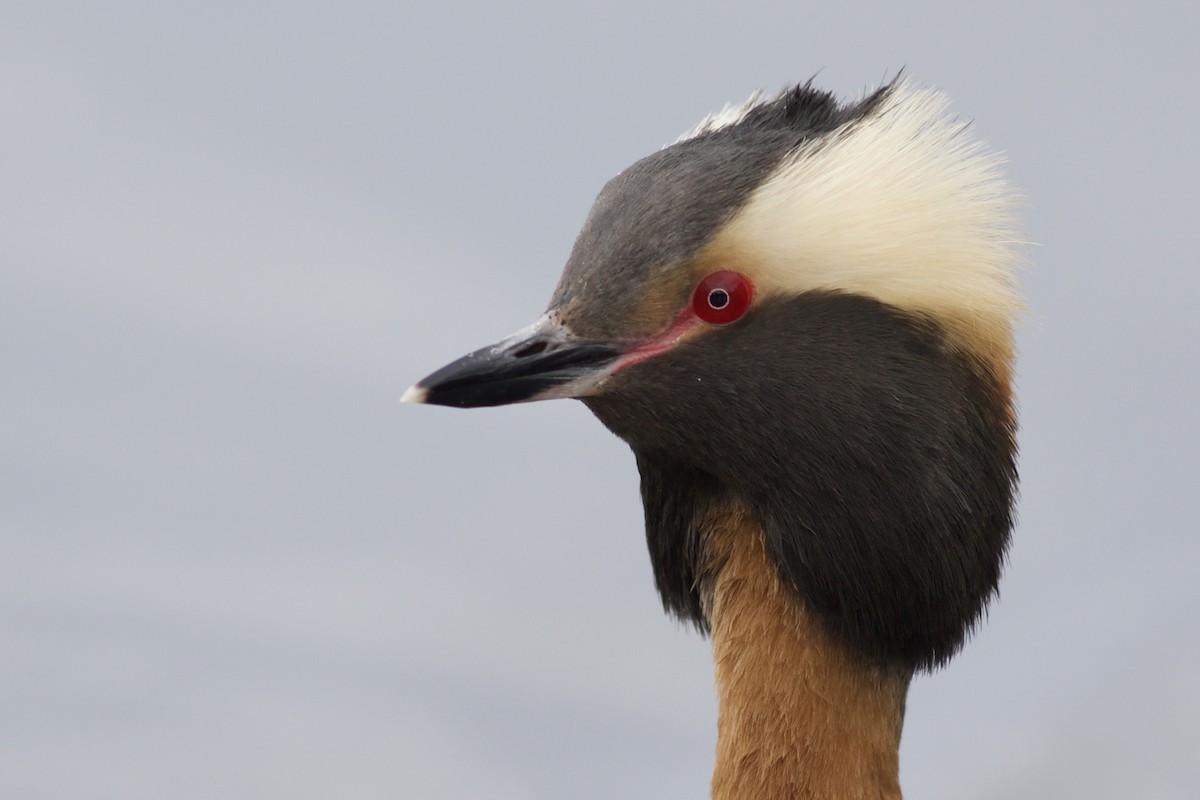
(233,233)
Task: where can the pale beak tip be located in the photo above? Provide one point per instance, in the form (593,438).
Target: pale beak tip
(415,394)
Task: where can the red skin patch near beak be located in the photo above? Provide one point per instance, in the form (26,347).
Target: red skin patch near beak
(660,343)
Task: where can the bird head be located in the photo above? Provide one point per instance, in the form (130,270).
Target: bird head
(802,308)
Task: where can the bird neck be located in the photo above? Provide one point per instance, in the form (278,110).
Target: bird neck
(799,715)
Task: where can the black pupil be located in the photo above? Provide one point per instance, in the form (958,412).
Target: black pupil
(718,298)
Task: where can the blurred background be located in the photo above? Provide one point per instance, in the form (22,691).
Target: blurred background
(231,565)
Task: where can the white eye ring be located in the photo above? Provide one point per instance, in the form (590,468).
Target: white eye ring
(718,299)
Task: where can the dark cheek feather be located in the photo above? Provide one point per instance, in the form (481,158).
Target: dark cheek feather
(879,464)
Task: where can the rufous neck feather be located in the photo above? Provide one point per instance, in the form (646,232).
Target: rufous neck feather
(800,716)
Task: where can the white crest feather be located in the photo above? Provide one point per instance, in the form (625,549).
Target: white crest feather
(902,205)
(729,115)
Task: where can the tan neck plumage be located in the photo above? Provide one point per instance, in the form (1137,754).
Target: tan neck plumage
(800,717)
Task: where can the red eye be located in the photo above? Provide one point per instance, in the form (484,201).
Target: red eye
(722,297)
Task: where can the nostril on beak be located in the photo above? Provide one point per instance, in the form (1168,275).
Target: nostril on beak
(531,349)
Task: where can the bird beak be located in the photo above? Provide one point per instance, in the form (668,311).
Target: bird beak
(541,362)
